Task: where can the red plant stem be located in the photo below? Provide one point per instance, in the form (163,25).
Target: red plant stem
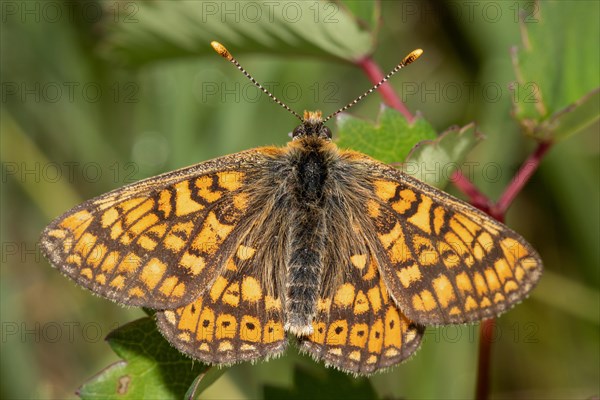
(486,335)
(389,96)
(476,198)
(521,178)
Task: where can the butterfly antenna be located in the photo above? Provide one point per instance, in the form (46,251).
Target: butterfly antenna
(411,57)
(219,48)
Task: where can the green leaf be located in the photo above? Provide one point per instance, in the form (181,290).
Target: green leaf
(151,367)
(331,384)
(434,161)
(389,140)
(556,90)
(367,12)
(203,381)
(140,32)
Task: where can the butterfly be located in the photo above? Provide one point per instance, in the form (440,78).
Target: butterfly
(347,255)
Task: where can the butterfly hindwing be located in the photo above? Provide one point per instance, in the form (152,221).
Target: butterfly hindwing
(443,260)
(239,318)
(158,242)
(358,328)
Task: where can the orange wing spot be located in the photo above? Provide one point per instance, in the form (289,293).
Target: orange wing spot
(392,352)
(461,231)
(179,290)
(226,327)
(372,270)
(519,273)
(170,316)
(159,230)
(492,279)
(438,220)
(449,256)
(153,272)
(373,209)
(470,304)
(529,263)
(230,180)
(130,263)
(443,290)
(184,337)
(245,252)
(86,272)
(359,335)
(272,303)
(101,279)
(421,218)
(376,337)
(337,333)
(409,275)
(74,221)
(480,284)
(116,230)
(251,290)
(164,203)
(273,332)
(143,223)
(359,260)
(203,184)
(455,243)
(454,311)
(110,261)
(372,359)
(136,292)
(225,346)
(250,329)
(147,243)
(131,203)
(57,233)
(337,351)
(318,335)
(424,301)
(174,243)
(498,298)
(168,285)
(205,347)
(344,296)
(324,305)
(485,302)
(232,295)
(375,299)
(96,255)
(230,266)
(425,251)
(194,264)
(486,241)
(206,325)
(510,286)
(354,356)
(513,250)
(385,190)
(478,251)
(240,201)
(393,329)
(138,212)
(407,197)
(184,204)
(469,261)
(392,236)
(218,288)
(361,304)
(118,282)
(212,234)
(399,251)
(109,217)
(468,223)
(463,283)
(247,347)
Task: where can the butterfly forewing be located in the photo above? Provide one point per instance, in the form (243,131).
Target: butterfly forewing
(443,260)
(159,242)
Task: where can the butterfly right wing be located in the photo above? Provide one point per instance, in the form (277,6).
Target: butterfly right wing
(159,242)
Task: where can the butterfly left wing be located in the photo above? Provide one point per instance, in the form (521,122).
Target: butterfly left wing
(443,260)
(358,328)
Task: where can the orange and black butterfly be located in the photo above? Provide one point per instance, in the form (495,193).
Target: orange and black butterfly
(347,254)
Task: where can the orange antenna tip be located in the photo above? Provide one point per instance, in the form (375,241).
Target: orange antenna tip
(223,52)
(412,56)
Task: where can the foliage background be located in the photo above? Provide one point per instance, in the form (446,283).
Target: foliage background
(153,114)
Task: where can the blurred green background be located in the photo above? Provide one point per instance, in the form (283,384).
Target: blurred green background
(99,94)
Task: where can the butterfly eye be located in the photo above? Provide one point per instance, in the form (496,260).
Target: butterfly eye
(326,131)
(298,131)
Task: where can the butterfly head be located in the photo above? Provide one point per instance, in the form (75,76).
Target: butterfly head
(312,126)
